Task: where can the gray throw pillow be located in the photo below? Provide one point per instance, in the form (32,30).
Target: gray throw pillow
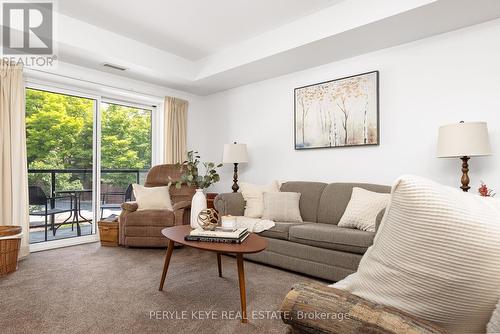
(282,207)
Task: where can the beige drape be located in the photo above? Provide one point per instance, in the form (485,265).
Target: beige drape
(13,161)
(175,130)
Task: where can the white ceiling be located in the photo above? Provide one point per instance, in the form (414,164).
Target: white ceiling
(206,46)
(191,29)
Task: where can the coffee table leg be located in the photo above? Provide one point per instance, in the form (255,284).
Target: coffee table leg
(241,277)
(219,264)
(170,249)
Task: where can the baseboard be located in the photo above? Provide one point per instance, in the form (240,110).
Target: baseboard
(42,246)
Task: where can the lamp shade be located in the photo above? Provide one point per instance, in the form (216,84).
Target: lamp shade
(235,153)
(463,139)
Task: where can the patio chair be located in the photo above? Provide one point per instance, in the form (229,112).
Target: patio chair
(126,196)
(38,197)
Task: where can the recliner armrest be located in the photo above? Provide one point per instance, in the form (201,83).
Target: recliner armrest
(230,204)
(181,205)
(130,206)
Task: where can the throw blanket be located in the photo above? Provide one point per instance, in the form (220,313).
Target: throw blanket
(255,225)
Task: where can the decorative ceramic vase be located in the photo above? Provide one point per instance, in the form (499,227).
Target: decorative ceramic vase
(198,203)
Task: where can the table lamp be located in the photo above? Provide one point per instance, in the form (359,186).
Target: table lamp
(463,140)
(235,154)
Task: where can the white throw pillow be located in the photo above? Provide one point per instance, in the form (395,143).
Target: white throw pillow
(436,256)
(282,207)
(152,198)
(253,196)
(494,324)
(363,208)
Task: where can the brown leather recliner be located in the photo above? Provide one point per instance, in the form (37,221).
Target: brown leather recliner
(143,228)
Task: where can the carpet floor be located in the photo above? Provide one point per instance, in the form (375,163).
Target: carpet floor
(94,289)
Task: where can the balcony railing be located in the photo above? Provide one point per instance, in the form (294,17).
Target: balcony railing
(53,184)
(53,174)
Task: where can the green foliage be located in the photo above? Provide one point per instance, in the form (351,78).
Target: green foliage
(125,141)
(58,126)
(59,130)
(64,181)
(192,175)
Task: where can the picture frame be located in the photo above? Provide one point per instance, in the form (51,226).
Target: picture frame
(342,112)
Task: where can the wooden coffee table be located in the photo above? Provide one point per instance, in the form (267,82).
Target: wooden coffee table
(252,244)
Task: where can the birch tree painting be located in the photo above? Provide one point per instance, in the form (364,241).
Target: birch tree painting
(342,112)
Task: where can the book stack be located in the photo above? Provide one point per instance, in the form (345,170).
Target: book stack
(232,236)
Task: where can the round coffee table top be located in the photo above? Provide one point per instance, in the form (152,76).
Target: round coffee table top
(252,244)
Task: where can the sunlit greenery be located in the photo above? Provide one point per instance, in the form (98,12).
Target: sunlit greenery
(59,132)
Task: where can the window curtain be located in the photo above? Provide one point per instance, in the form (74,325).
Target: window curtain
(175,130)
(13,161)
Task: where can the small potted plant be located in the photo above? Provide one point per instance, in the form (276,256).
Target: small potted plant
(193,177)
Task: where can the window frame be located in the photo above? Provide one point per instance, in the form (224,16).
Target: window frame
(155,104)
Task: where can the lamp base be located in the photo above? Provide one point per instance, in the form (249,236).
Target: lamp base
(465,174)
(235,186)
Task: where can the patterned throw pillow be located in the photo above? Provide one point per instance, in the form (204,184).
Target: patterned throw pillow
(254,197)
(363,208)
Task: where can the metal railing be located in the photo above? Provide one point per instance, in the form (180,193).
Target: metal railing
(53,174)
(85,171)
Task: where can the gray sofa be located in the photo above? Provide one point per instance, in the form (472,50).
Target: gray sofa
(316,247)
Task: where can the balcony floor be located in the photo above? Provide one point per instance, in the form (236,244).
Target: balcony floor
(37,234)
(63,232)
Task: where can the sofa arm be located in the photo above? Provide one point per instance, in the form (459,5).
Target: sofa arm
(181,205)
(316,308)
(130,206)
(127,208)
(378,220)
(230,204)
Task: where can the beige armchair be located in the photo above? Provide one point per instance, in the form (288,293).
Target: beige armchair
(143,228)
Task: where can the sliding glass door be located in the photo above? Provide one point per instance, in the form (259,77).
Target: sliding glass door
(60,140)
(126,149)
(84,154)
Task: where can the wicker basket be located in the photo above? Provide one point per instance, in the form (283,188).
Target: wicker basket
(10,243)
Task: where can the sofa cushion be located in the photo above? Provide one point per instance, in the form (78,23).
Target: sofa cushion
(280,230)
(151,218)
(336,196)
(309,198)
(332,237)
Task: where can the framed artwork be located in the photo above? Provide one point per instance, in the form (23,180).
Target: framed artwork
(338,113)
